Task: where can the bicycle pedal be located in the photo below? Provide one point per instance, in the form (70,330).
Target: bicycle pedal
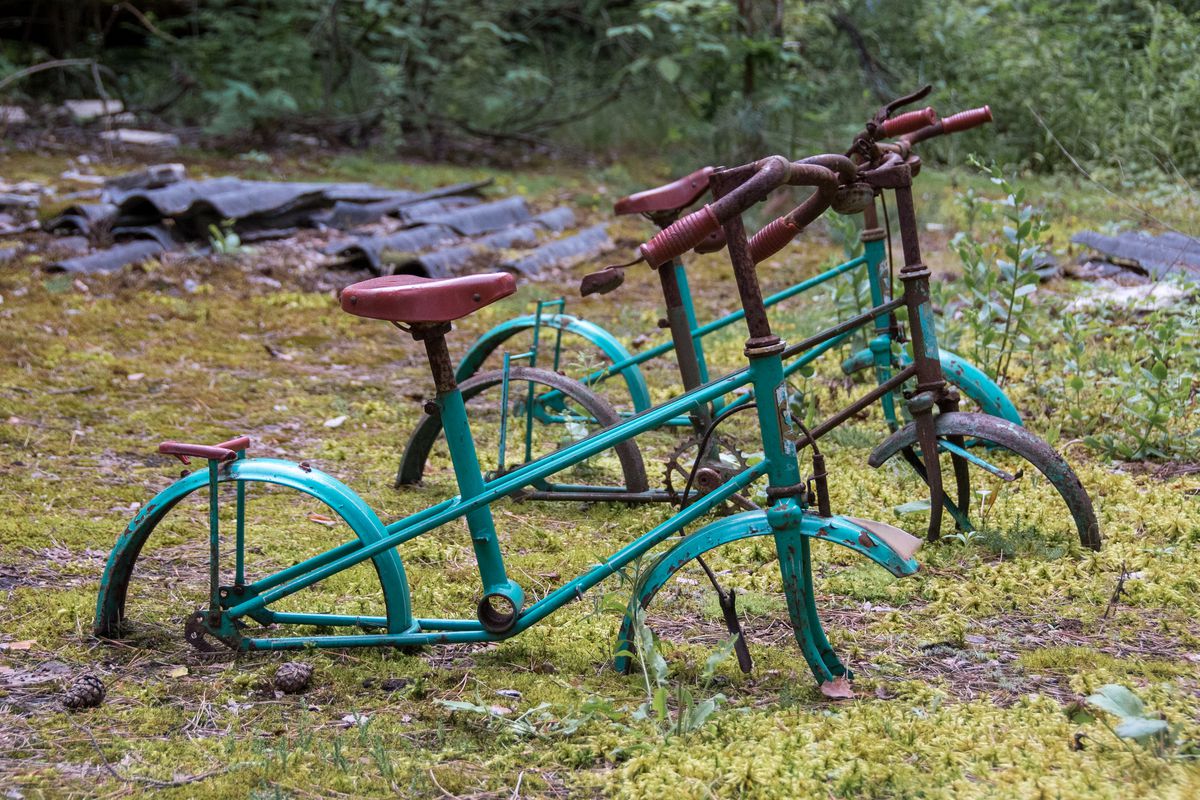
(902,543)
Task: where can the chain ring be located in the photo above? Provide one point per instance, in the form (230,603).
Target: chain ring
(719,472)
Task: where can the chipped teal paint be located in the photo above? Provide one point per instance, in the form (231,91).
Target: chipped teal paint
(928,331)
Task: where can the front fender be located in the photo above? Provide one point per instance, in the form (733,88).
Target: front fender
(970,379)
(114,584)
(838,530)
(608,344)
(976,385)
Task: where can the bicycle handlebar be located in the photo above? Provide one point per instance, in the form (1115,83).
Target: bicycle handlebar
(908,122)
(955,123)
(827,173)
(965,120)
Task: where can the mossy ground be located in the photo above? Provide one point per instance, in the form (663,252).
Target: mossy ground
(964,672)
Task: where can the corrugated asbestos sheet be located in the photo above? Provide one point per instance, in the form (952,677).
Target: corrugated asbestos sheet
(448,230)
(1157,256)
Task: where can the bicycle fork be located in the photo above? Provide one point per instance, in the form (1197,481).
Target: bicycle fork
(932,389)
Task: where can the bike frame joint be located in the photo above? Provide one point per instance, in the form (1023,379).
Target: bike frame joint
(500,608)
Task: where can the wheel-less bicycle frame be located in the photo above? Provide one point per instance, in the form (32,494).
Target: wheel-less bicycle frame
(502,611)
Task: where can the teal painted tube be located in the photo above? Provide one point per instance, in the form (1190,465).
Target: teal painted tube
(327,620)
(470,484)
(689,313)
(285,575)
(778,297)
(455,631)
(608,344)
(812,355)
(449,625)
(239,568)
(506,485)
(214,537)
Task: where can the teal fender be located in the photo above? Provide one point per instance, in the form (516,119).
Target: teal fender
(608,344)
(970,379)
(341,500)
(743,526)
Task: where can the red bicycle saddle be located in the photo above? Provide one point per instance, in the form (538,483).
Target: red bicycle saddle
(678,194)
(408,298)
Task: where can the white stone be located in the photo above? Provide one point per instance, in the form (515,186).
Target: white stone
(13,115)
(84,110)
(139,137)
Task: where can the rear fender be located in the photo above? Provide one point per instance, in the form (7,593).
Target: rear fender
(341,500)
(613,350)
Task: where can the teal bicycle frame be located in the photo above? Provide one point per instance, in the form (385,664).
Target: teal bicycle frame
(788,520)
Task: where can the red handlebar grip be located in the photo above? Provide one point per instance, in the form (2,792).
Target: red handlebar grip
(240,443)
(713,242)
(965,120)
(908,122)
(680,236)
(772,238)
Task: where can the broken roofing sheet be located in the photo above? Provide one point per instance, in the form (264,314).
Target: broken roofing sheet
(1157,256)
(451,242)
(435,233)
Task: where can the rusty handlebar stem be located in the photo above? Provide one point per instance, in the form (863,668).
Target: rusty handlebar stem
(826,173)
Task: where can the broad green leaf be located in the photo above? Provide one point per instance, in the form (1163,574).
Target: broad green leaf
(668,68)
(1116,699)
(912,507)
(660,702)
(1140,728)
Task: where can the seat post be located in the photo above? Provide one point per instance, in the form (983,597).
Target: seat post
(502,598)
(680,322)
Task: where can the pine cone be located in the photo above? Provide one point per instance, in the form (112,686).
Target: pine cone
(86,691)
(293,677)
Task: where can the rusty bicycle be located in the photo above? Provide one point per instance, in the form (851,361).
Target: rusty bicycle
(552,399)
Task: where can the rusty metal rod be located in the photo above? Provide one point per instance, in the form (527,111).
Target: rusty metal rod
(842,327)
(891,384)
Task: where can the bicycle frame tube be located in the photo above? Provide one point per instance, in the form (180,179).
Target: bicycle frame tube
(779,465)
(433,631)
(698,332)
(403,530)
